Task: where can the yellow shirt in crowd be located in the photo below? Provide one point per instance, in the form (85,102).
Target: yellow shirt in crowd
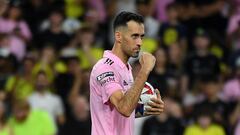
(211,130)
(37,123)
(97,53)
(23,88)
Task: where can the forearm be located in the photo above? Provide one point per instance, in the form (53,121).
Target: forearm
(131,97)
(74,91)
(235,115)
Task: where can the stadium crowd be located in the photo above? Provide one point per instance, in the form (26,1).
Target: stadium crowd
(48,47)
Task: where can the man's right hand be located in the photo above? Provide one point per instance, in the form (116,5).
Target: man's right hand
(147,62)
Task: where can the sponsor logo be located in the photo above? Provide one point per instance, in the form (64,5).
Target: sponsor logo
(109,79)
(103,75)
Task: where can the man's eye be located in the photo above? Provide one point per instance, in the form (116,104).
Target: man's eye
(134,36)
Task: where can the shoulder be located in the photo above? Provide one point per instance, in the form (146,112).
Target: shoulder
(105,69)
(104,64)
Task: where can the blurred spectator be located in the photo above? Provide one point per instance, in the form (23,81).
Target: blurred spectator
(175,56)
(54,35)
(84,42)
(200,62)
(100,8)
(64,82)
(8,62)
(5,128)
(26,121)
(15,26)
(84,91)
(233,30)
(172,30)
(159,76)
(35,11)
(168,123)
(42,99)
(20,85)
(204,124)
(80,122)
(210,87)
(91,20)
(237,130)
(150,43)
(175,60)
(160,9)
(234,119)
(204,13)
(151,25)
(3,6)
(75,8)
(78,118)
(47,62)
(231,89)
(68,25)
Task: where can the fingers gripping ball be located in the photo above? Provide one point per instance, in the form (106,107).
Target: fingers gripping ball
(148,92)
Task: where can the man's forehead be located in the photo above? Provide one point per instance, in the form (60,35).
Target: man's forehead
(135,26)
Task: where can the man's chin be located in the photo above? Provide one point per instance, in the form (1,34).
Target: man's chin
(135,55)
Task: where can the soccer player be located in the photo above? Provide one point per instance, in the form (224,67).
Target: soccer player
(114,93)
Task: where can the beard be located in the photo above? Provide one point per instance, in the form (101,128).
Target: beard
(135,55)
(132,54)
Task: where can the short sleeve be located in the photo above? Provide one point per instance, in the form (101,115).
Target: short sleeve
(108,81)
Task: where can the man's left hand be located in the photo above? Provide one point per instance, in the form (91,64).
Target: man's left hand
(156,106)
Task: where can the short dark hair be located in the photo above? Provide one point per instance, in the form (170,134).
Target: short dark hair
(123,17)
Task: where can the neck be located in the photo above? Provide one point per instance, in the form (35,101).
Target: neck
(119,53)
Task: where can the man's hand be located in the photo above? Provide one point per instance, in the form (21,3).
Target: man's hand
(156,106)
(147,62)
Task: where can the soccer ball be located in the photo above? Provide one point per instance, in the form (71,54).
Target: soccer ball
(148,92)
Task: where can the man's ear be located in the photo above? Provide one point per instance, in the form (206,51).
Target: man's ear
(118,36)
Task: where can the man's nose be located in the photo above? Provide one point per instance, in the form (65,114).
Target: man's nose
(139,41)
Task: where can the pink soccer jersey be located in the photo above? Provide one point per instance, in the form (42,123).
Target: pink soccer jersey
(109,75)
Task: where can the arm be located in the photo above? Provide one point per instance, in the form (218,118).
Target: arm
(235,115)
(127,102)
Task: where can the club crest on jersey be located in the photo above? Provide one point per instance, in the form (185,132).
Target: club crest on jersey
(104,75)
